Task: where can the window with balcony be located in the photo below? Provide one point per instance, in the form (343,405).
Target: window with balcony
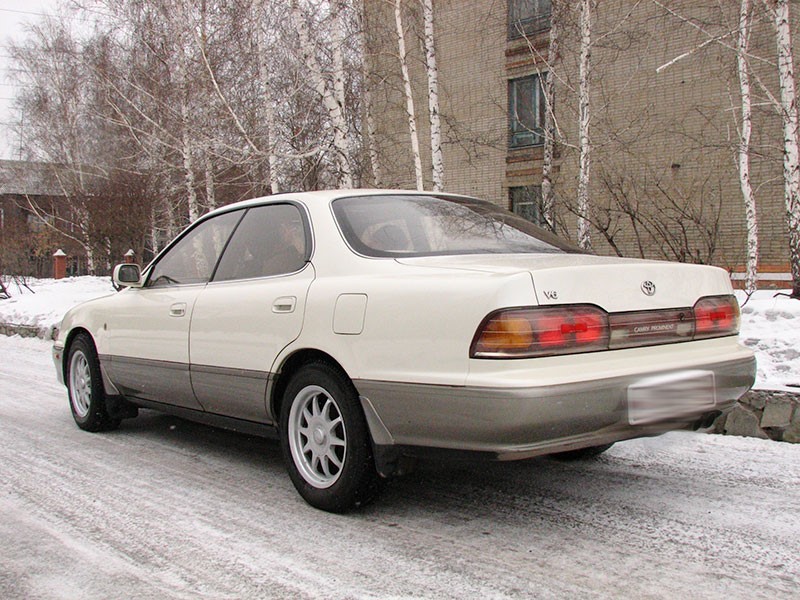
(527,17)
(525,112)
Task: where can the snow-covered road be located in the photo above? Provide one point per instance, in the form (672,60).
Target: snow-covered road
(164,508)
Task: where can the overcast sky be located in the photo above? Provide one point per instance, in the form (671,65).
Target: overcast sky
(14,14)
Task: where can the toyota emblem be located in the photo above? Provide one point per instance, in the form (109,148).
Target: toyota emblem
(648,288)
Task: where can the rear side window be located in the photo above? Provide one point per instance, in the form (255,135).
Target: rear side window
(193,258)
(271,240)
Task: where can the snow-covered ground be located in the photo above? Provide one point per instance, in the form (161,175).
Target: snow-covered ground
(770,324)
(45,301)
(771,327)
(164,508)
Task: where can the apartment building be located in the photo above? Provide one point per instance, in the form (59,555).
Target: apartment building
(665,115)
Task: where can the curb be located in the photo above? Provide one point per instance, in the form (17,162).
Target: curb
(28,331)
(765,414)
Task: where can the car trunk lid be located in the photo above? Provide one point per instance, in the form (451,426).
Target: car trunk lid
(613,284)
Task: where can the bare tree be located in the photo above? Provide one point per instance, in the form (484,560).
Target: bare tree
(584,118)
(327,94)
(259,8)
(366,97)
(549,125)
(433,98)
(742,50)
(409,93)
(779,9)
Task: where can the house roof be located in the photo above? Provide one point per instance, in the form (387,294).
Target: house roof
(29,178)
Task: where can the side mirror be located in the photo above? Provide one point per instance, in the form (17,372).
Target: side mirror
(127,275)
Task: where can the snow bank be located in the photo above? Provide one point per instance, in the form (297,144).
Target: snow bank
(771,327)
(770,324)
(43,306)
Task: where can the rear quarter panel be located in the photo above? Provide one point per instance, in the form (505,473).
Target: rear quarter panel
(418,322)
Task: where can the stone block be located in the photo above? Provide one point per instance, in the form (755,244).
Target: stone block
(741,421)
(792,434)
(777,413)
(755,398)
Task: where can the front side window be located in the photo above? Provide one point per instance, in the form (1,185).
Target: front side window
(270,240)
(526,17)
(419,225)
(525,112)
(193,258)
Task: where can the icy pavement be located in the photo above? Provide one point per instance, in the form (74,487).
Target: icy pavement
(164,508)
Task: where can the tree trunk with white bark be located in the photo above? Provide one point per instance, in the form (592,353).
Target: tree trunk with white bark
(584,141)
(412,119)
(751,218)
(369,118)
(437,160)
(210,180)
(338,37)
(791,143)
(549,129)
(267,109)
(328,96)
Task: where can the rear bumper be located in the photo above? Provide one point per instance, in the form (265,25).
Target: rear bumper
(520,422)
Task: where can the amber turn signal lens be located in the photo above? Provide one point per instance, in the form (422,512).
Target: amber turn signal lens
(505,333)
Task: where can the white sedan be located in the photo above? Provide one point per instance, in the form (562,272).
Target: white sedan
(370,328)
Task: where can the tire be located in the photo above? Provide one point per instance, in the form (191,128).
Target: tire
(582,453)
(87,397)
(325,440)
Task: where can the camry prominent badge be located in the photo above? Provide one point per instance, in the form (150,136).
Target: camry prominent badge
(648,288)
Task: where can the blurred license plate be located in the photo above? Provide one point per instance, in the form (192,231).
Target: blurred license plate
(663,397)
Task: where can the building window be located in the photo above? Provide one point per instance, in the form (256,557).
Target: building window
(525,112)
(526,17)
(526,201)
(37,223)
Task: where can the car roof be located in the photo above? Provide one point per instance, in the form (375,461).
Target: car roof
(320,196)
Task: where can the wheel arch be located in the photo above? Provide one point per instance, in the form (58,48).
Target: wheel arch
(291,364)
(74,333)
(108,385)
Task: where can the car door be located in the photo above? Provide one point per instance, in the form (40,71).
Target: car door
(251,310)
(148,332)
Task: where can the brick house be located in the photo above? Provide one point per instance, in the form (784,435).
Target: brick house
(27,238)
(664,181)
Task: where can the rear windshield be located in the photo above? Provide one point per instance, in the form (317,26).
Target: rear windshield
(398,225)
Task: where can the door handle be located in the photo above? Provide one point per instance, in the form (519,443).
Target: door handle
(178,309)
(285,304)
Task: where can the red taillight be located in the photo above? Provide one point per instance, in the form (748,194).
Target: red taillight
(546,331)
(716,316)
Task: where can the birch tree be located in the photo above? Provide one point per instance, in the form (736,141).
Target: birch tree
(409,94)
(55,107)
(549,125)
(259,8)
(328,96)
(433,98)
(366,97)
(779,10)
(751,219)
(584,115)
